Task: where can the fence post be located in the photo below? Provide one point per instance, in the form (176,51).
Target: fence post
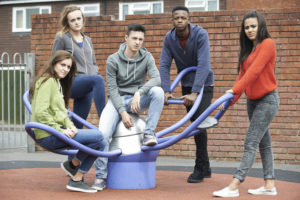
(29,60)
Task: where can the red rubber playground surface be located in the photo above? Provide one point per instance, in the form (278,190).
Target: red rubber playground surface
(49,183)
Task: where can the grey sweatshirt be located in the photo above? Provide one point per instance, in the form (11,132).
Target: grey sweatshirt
(84,56)
(126,76)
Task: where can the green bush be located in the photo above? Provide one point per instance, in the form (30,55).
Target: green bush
(11,92)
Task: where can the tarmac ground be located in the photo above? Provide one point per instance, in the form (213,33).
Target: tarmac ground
(38,176)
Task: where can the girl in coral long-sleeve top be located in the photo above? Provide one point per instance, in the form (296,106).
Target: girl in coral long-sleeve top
(257,79)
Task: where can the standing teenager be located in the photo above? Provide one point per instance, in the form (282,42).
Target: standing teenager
(257,79)
(88,84)
(50,94)
(188,45)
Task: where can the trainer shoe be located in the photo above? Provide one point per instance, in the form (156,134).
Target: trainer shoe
(197,176)
(79,186)
(263,191)
(68,169)
(149,140)
(226,193)
(99,184)
(209,122)
(207,173)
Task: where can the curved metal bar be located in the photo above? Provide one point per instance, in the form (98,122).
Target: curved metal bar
(81,120)
(180,75)
(26,101)
(20,58)
(70,141)
(59,151)
(177,101)
(190,130)
(2,58)
(70,113)
(221,112)
(184,119)
(193,109)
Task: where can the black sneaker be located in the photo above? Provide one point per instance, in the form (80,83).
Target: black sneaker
(68,169)
(197,176)
(207,173)
(79,186)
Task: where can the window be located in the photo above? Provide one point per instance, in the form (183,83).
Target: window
(90,9)
(140,8)
(202,5)
(22,17)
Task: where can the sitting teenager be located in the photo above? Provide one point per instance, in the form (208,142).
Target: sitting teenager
(50,94)
(129,92)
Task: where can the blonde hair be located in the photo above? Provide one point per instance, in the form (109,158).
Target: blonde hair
(63,21)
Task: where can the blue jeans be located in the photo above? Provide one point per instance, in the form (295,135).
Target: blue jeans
(88,137)
(261,112)
(84,89)
(153,100)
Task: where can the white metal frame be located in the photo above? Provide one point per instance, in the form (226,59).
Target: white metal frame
(82,6)
(131,9)
(14,17)
(203,5)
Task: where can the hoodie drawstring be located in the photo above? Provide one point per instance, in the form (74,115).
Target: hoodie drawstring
(127,67)
(72,45)
(133,71)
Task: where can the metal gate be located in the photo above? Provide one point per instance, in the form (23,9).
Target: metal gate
(15,79)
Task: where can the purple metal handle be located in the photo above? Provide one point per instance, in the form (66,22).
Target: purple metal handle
(77,146)
(176,81)
(191,129)
(70,113)
(193,109)
(69,141)
(225,98)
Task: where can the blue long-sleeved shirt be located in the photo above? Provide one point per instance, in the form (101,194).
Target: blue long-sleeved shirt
(196,53)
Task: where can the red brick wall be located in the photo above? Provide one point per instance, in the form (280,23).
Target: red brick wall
(225,142)
(255,4)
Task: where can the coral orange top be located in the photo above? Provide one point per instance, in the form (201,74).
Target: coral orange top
(257,77)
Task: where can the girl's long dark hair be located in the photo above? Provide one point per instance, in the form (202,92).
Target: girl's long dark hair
(246,45)
(48,72)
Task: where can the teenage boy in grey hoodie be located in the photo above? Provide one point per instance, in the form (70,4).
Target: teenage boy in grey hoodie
(129,92)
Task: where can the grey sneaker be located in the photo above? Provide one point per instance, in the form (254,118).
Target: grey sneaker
(79,186)
(66,166)
(209,122)
(149,140)
(99,184)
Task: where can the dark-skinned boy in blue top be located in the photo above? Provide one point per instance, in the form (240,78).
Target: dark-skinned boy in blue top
(188,45)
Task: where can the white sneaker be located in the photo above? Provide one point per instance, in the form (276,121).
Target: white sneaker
(226,193)
(99,184)
(263,191)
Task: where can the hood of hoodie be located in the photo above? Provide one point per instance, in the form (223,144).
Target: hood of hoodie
(121,52)
(141,55)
